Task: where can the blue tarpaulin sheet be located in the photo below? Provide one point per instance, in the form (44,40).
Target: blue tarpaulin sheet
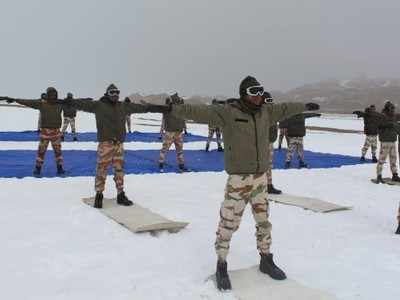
(136,136)
(20,163)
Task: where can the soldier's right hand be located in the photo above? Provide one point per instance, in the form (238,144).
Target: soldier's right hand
(312,106)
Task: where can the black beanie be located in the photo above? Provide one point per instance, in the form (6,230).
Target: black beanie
(247,82)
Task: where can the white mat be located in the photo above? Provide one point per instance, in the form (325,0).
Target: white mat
(313,204)
(251,284)
(136,218)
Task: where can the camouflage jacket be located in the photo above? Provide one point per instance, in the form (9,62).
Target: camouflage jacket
(110,117)
(246,135)
(50,111)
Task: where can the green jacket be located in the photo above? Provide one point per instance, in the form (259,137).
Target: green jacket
(50,111)
(273,133)
(246,136)
(173,124)
(110,117)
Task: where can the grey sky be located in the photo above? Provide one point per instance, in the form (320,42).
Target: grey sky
(194,47)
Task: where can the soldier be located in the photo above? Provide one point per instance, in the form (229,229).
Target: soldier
(50,112)
(128,117)
(296,132)
(273,134)
(211,130)
(283,133)
(171,131)
(398,220)
(387,131)
(110,122)
(371,123)
(245,125)
(69,118)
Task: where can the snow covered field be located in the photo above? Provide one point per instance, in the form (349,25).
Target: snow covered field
(55,247)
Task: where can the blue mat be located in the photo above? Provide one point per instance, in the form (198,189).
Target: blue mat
(19,163)
(136,136)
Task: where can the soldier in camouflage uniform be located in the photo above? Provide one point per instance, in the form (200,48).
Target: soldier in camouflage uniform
(371,123)
(398,220)
(296,132)
(110,122)
(172,129)
(283,133)
(213,129)
(388,130)
(69,118)
(245,125)
(50,111)
(128,117)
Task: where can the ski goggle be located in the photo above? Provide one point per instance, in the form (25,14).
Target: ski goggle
(267,97)
(257,90)
(113,93)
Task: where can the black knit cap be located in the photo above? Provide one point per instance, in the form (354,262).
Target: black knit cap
(247,82)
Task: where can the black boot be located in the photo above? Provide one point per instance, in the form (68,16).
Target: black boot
(374,159)
(62,138)
(60,170)
(379,179)
(362,158)
(273,190)
(123,200)
(182,168)
(398,229)
(280,147)
(302,164)
(287,165)
(268,266)
(37,171)
(161,167)
(220,149)
(75,139)
(207,147)
(98,200)
(395,177)
(222,277)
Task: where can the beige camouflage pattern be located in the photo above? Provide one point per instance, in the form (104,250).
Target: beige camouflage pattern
(387,149)
(128,123)
(283,133)
(53,136)
(271,159)
(370,141)
(211,131)
(71,122)
(240,190)
(177,139)
(295,145)
(109,153)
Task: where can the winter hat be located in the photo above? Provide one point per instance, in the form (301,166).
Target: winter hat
(69,95)
(111,87)
(50,90)
(247,82)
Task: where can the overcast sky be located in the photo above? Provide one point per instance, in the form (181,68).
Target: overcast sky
(192,46)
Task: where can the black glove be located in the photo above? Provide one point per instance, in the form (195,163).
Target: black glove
(358,113)
(159,108)
(10,100)
(312,106)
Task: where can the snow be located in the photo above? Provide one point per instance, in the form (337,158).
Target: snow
(56,247)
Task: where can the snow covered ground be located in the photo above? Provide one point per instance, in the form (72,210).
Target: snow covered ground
(55,247)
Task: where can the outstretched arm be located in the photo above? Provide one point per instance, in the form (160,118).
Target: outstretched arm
(310,115)
(32,103)
(86,105)
(283,111)
(201,113)
(359,113)
(133,108)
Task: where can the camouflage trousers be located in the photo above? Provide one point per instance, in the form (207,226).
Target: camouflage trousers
(53,136)
(110,153)
(211,132)
(370,141)
(295,145)
(240,190)
(128,123)
(283,133)
(177,139)
(270,162)
(71,122)
(39,123)
(387,149)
